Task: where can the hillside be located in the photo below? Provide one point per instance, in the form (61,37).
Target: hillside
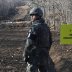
(13,34)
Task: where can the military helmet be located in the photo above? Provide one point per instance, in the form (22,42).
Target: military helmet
(36,11)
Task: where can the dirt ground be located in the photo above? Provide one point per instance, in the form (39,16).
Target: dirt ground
(12,41)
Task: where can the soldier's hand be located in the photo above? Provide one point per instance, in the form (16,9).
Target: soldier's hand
(26,59)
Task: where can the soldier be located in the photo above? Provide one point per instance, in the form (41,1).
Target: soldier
(38,43)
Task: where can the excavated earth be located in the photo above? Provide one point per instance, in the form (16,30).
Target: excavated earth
(12,42)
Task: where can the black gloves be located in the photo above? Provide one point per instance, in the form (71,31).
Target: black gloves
(26,59)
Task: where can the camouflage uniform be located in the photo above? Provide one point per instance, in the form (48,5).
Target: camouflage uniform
(37,47)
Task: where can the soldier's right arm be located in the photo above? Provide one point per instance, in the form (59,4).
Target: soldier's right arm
(29,43)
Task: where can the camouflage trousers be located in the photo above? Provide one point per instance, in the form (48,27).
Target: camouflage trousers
(41,63)
(32,68)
